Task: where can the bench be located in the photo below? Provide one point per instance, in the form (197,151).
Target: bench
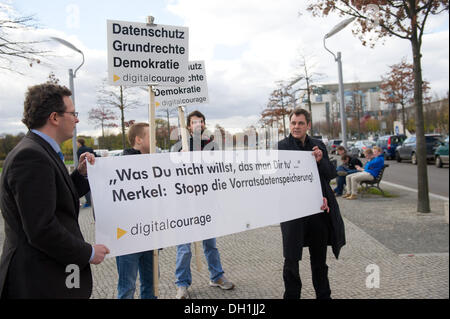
(375,183)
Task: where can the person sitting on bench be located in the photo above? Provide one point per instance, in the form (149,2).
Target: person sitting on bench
(368,173)
(348,167)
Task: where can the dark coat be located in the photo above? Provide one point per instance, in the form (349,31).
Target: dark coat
(131,151)
(293,239)
(205,144)
(40,204)
(84,149)
(353,162)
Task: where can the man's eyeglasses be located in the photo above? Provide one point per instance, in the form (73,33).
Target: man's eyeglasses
(73,113)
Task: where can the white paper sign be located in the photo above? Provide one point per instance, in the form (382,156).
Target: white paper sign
(139,54)
(146,202)
(195,92)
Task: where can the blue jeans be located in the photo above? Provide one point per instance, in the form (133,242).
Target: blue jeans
(341,179)
(128,267)
(183,263)
(88,199)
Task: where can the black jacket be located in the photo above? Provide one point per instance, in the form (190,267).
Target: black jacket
(205,144)
(84,149)
(40,203)
(353,162)
(131,151)
(293,240)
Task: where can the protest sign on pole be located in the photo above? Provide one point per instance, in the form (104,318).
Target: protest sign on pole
(147,54)
(151,201)
(193,92)
(152,137)
(143,53)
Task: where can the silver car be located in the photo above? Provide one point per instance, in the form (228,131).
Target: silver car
(360,146)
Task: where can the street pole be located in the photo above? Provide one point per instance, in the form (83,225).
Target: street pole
(72,75)
(74,137)
(341,97)
(338,59)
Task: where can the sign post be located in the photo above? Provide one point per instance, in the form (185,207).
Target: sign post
(152,136)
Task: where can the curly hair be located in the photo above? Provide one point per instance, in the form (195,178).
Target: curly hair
(197,114)
(40,101)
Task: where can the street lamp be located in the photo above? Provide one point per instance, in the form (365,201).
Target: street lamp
(337,58)
(72,75)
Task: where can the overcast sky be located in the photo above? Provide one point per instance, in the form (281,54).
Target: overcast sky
(247,46)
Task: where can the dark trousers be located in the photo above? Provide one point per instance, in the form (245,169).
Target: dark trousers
(341,179)
(317,236)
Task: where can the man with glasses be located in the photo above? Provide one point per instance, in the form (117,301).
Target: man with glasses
(40,204)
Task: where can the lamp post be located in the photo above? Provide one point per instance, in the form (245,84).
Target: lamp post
(72,75)
(338,59)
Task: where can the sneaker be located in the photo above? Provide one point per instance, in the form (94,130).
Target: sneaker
(342,173)
(352,197)
(182,293)
(346,195)
(223,283)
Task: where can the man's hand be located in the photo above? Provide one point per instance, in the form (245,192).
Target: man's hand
(100,252)
(325,207)
(82,166)
(317,153)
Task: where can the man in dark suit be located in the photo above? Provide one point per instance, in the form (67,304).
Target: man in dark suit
(314,231)
(82,148)
(44,253)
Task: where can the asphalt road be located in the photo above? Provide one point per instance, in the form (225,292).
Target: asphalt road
(405,174)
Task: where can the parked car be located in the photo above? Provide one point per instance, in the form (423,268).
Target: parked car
(407,151)
(101,152)
(359,147)
(389,143)
(441,154)
(332,145)
(115,153)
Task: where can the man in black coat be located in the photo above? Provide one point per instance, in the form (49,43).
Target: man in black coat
(82,148)
(196,123)
(44,253)
(315,231)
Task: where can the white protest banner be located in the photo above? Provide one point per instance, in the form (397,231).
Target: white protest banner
(195,90)
(139,54)
(146,202)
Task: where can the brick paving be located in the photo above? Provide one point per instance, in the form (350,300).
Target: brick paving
(409,249)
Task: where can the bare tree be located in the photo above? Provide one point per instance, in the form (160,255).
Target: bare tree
(281,102)
(166,112)
(398,86)
(120,97)
(102,117)
(12,47)
(307,77)
(406,20)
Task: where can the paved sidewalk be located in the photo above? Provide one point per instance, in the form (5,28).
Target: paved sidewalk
(409,249)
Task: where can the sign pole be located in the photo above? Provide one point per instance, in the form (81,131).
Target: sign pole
(152,136)
(185,144)
(152,133)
